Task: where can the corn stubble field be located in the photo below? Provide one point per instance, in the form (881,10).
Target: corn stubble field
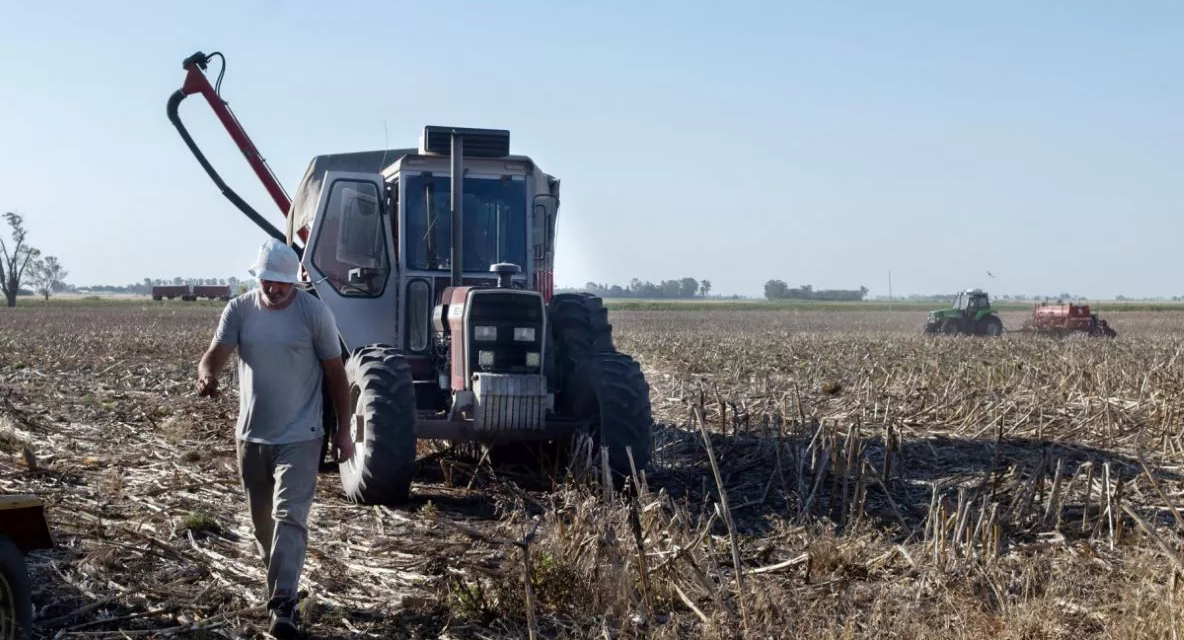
(875,484)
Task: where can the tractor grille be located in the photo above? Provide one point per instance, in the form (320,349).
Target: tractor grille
(509,402)
(505,312)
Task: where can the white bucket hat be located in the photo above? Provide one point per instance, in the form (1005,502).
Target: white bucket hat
(276,262)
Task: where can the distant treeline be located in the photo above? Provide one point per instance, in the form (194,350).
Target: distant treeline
(680,288)
(778,290)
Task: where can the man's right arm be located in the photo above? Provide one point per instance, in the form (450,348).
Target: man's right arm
(219,352)
(210,366)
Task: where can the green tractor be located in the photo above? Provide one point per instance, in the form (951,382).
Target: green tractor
(971,314)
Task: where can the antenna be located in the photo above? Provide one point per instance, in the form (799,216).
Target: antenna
(385,146)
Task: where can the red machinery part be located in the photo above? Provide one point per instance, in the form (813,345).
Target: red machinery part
(196,82)
(455,298)
(1076,317)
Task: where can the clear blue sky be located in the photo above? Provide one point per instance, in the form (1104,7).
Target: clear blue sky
(1040,140)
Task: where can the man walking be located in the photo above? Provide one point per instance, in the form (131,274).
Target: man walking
(286,340)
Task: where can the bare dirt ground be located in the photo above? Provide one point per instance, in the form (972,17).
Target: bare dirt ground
(876,483)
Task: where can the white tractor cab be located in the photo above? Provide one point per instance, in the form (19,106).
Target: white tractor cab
(443,295)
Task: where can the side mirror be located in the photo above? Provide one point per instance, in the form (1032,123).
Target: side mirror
(545,208)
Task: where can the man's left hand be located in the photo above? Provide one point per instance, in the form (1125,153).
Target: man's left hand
(343,444)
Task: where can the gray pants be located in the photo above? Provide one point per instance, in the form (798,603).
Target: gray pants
(280,482)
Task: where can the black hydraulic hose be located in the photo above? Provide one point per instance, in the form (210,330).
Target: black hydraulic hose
(175,118)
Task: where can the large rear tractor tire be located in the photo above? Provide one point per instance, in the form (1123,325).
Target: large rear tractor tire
(16,599)
(610,389)
(383,394)
(992,326)
(579,326)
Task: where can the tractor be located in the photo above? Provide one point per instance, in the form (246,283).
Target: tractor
(437,263)
(971,314)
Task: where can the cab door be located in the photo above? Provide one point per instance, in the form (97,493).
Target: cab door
(351,259)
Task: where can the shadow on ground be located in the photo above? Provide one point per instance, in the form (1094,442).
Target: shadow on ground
(818,474)
(821,475)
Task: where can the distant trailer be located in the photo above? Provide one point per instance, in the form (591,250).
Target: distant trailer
(172,291)
(212,292)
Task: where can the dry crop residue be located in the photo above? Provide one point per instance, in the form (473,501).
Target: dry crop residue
(878,484)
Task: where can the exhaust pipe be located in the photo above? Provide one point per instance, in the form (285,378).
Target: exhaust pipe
(458,195)
(481,143)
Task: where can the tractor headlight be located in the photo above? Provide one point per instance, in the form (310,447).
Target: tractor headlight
(532,358)
(485,358)
(485,333)
(524,334)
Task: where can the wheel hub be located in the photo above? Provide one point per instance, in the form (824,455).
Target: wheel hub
(357,426)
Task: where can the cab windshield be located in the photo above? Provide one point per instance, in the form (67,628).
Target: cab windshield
(494,222)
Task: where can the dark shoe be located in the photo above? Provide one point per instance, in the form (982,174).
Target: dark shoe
(283,619)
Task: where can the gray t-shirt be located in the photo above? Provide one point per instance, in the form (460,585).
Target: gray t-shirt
(279,365)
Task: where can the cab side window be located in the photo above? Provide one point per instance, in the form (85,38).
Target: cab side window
(351,247)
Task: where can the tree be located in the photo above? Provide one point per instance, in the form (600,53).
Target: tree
(688,287)
(15,259)
(47,275)
(704,287)
(776,289)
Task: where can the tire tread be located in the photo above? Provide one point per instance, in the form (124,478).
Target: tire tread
(387,399)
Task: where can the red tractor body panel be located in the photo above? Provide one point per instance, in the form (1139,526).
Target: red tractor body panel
(455,298)
(442,285)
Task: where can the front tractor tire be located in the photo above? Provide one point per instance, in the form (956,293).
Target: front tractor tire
(383,397)
(610,389)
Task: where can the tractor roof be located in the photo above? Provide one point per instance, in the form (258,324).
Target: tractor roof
(304,203)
